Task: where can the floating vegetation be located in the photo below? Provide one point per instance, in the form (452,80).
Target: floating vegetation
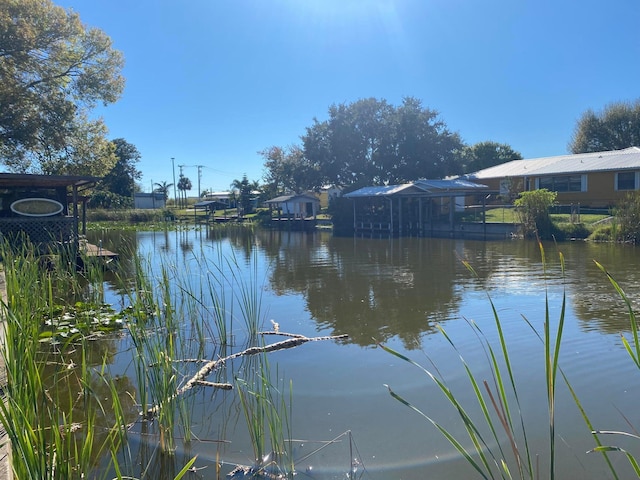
(67,323)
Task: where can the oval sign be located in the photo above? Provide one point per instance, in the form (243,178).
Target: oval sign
(36,207)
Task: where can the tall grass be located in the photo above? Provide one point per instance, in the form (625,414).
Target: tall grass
(50,406)
(633,350)
(65,415)
(156,335)
(62,413)
(502,420)
(268,417)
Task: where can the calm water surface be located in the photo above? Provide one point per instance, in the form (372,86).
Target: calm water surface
(396,291)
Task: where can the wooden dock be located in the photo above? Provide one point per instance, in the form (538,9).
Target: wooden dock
(89,250)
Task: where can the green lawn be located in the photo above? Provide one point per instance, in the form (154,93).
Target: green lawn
(508,215)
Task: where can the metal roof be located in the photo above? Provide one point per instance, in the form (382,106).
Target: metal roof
(449,184)
(31,180)
(383,191)
(627,159)
(296,196)
(422,187)
(207,203)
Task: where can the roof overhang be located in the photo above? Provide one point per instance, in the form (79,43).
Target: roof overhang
(422,188)
(46,181)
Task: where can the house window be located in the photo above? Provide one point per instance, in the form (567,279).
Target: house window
(562,183)
(626,181)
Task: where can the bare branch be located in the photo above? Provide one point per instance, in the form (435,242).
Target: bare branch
(212,365)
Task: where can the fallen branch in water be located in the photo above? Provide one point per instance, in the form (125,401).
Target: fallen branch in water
(222,386)
(205,371)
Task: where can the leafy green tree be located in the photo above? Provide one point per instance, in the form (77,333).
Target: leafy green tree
(532,208)
(184,184)
(53,70)
(424,147)
(117,187)
(286,170)
(106,199)
(163,188)
(87,152)
(372,142)
(487,154)
(121,180)
(615,128)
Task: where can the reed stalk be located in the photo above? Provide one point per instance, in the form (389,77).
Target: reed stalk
(502,420)
(633,350)
(50,406)
(268,418)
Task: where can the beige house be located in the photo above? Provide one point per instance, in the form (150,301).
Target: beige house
(595,180)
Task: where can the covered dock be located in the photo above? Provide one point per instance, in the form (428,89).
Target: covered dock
(209,207)
(419,208)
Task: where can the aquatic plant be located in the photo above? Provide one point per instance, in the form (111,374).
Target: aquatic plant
(499,401)
(633,350)
(268,417)
(51,430)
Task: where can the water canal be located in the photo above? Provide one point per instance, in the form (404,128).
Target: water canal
(396,291)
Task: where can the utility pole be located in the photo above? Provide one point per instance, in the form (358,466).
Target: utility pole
(181,167)
(175,197)
(199,177)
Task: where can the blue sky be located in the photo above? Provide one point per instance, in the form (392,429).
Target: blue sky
(213,82)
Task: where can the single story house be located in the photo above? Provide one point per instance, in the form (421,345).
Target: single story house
(298,206)
(594,180)
(297,211)
(225,198)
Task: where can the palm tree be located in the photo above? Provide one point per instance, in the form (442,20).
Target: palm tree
(184,184)
(163,188)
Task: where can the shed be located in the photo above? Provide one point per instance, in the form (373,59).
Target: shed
(149,200)
(43,208)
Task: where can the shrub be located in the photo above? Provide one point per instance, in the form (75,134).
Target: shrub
(105,199)
(627,213)
(563,231)
(532,208)
(131,216)
(604,233)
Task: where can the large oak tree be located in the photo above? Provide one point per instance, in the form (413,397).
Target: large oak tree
(370,142)
(53,71)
